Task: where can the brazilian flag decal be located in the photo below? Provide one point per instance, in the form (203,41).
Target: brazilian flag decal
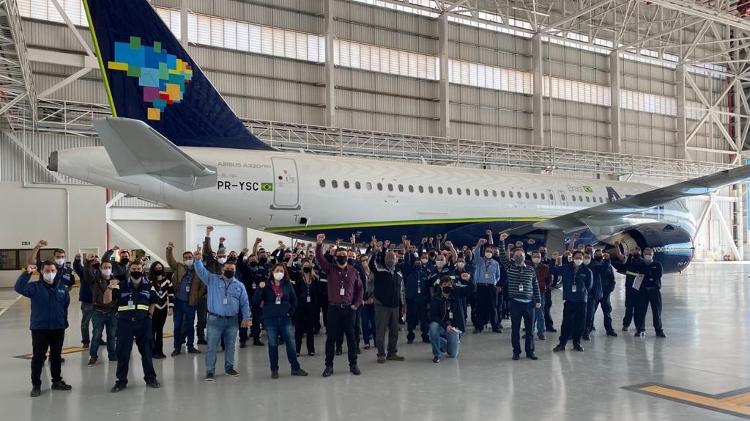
(588,189)
(266,186)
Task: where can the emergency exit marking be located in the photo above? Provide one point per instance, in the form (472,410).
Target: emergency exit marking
(25,243)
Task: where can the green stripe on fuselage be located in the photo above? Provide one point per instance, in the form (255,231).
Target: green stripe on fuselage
(399,223)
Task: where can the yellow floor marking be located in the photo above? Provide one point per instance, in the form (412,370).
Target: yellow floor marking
(742,400)
(725,404)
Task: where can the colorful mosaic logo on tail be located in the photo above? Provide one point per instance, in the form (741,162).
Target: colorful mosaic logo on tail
(161,75)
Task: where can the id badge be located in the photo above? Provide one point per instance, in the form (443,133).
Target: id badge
(226,300)
(573,289)
(187,288)
(341,292)
(419,290)
(278,300)
(450,315)
(131,305)
(486,276)
(309,299)
(520,288)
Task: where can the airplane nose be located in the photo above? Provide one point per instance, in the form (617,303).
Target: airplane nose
(52,163)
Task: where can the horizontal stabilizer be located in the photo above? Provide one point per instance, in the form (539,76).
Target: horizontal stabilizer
(136,148)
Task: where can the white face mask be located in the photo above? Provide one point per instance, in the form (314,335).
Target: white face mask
(278,276)
(60,261)
(577,262)
(188,262)
(439,263)
(460,265)
(586,261)
(106,273)
(424,261)
(536,260)
(221,260)
(49,277)
(648,257)
(488,255)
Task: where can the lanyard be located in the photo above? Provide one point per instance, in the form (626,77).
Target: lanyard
(278,290)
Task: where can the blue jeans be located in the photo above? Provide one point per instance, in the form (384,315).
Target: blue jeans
(539,318)
(275,327)
(444,341)
(87,311)
(100,321)
(184,321)
(368,322)
(219,328)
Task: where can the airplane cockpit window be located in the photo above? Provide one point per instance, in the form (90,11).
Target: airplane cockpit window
(346,184)
(322,183)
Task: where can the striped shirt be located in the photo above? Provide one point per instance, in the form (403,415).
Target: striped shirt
(522,281)
(163,292)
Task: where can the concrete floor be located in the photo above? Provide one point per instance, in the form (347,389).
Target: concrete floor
(705,318)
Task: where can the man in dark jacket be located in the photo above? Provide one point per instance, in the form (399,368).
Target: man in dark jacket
(595,293)
(629,266)
(49,313)
(387,283)
(253,273)
(604,274)
(417,284)
(649,292)
(577,280)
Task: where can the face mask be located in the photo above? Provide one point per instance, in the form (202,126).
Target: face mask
(536,260)
(460,265)
(106,273)
(586,261)
(439,263)
(577,262)
(424,261)
(229,274)
(341,260)
(188,262)
(488,255)
(263,260)
(221,260)
(518,259)
(60,261)
(158,272)
(598,258)
(543,253)
(136,275)
(49,277)
(124,260)
(96,265)
(253,264)
(447,290)
(465,277)
(278,276)
(307,269)
(390,264)
(648,257)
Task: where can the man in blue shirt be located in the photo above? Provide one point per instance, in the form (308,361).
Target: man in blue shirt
(227,297)
(49,311)
(488,283)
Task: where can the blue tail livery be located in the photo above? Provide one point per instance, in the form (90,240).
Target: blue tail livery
(150,77)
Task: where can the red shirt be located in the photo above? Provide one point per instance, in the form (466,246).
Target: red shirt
(338,278)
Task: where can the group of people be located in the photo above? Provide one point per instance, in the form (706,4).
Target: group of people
(363,291)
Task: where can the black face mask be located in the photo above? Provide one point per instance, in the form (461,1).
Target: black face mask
(124,261)
(263,260)
(543,254)
(447,290)
(307,269)
(136,275)
(598,258)
(253,264)
(342,260)
(158,272)
(96,265)
(229,274)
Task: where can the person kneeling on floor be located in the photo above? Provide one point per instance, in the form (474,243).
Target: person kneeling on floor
(446,320)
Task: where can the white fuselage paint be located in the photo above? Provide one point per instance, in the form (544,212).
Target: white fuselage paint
(297,192)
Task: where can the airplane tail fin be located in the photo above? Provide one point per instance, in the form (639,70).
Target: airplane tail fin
(150,77)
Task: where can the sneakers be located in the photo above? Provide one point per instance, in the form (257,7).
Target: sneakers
(274,374)
(153,384)
(409,341)
(35,392)
(92,361)
(359,351)
(328,371)
(394,357)
(299,372)
(381,359)
(209,376)
(61,385)
(118,387)
(194,351)
(497,330)
(558,348)
(435,360)
(354,370)
(477,330)
(232,372)
(641,333)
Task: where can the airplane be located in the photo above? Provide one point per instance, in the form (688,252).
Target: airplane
(172,139)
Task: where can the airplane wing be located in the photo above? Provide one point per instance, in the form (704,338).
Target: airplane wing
(614,211)
(136,148)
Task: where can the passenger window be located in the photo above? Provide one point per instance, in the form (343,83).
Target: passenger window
(390,187)
(574,198)
(542,195)
(534,195)
(468,192)
(510,194)
(334,184)
(494,193)
(322,183)
(519,194)
(401,187)
(458,191)
(580,198)
(430,189)
(411,188)
(588,199)
(527,195)
(476,192)
(357,185)
(450,190)
(440,190)
(380,186)
(486,193)
(562,196)
(421,189)
(502,193)
(552,197)
(368,185)
(346,184)
(601,200)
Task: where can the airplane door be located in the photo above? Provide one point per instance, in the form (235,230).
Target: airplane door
(286,184)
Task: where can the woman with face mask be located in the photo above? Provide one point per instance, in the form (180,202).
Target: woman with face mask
(307,289)
(161,286)
(446,319)
(279,301)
